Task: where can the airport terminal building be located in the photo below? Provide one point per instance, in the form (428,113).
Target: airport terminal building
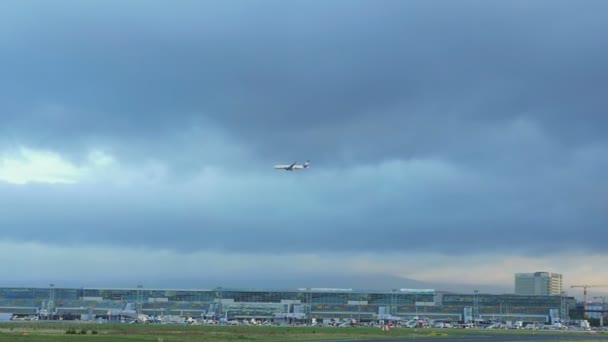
(294,305)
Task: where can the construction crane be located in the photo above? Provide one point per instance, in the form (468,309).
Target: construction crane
(585,295)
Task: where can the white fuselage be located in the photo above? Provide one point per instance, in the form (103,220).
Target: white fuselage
(292,167)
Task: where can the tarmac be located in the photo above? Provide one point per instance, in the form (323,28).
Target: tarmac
(494,338)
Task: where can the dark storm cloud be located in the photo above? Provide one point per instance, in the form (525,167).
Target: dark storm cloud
(510,96)
(378,80)
(422,206)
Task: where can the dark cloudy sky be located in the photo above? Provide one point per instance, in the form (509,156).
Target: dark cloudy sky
(450,141)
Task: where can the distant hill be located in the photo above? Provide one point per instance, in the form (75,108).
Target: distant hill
(364,282)
(275,281)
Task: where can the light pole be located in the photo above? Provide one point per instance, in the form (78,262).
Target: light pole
(309,304)
(219,289)
(475,307)
(140,298)
(603,298)
(393,300)
(51,305)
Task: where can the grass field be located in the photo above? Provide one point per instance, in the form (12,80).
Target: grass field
(46,332)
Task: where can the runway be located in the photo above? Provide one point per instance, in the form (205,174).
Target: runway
(494,338)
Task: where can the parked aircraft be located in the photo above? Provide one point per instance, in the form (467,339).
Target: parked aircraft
(128,314)
(293,166)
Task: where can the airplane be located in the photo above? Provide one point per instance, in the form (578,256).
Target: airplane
(129,314)
(293,166)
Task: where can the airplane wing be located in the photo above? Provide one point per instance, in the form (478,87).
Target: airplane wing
(293,166)
(303,166)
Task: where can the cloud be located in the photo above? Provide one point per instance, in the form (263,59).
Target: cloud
(157,267)
(271,74)
(471,130)
(24,165)
(414,205)
(33,166)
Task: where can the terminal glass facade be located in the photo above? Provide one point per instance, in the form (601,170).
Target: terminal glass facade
(302,303)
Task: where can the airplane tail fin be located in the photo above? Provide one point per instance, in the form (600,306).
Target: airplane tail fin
(307,164)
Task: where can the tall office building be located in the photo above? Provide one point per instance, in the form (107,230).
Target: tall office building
(538,284)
